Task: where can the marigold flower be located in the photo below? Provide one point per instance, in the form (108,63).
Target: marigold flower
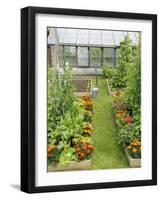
(118,115)
(129,147)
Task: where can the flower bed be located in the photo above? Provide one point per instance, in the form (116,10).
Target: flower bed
(128,126)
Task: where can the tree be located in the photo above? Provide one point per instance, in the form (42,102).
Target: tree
(124,62)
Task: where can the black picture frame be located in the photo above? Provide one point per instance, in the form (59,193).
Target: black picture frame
(28,98)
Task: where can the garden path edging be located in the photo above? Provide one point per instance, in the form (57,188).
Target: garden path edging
(73,165)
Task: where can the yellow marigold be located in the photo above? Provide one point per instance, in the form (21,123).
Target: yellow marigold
(129,147)
(134,150)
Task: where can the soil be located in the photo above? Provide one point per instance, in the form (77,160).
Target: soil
(82,85)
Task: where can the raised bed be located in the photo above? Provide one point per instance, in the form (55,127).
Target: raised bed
(133,162)
(83,87)
(73,165)
(109,89)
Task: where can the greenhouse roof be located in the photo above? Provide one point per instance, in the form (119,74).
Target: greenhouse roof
(86,37)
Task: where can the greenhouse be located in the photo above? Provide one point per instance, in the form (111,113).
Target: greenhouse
(82,48)
(94,103)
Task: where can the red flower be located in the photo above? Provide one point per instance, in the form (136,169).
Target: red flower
(128,119)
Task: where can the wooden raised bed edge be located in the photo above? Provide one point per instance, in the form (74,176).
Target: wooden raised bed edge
(133,162)
(73,165)
(108,87)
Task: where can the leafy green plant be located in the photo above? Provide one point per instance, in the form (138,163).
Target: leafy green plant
(128,133)
(108,71)
(68,154)
(69,128)
(118,81)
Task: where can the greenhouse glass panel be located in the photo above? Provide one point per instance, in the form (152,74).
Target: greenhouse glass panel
(95,37)
(83,37)
(55,59)
(83,56)
(119,37)
(109,56)
(70,55)
(95,57)
(108,38)
(70,36)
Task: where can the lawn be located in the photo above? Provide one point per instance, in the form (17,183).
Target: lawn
(108,154)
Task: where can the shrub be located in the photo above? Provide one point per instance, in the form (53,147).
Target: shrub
(118,81)
(108,71)
(125,59)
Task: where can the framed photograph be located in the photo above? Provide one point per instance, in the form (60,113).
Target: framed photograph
(88,99)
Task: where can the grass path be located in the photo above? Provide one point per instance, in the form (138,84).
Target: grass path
(108,154)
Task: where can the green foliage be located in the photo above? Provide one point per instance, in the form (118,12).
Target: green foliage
(108,71)
(60,96)
(118,75)
(125,54)
(68,154)
(133,90)
(88,116)
(54,157)
(70,127)
(125,59)
(128,133)
(118,81)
